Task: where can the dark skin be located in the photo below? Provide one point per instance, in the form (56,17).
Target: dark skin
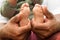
(19,26)
(44,27)
(14,29)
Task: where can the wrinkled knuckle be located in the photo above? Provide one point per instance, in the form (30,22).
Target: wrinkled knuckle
(34,24)
(34,27)
(46,34)
(48,28)
(29,28)
(17,33)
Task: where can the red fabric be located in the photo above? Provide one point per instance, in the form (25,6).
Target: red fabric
(32,36)
(54,37)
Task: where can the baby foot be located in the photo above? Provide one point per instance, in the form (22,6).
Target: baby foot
(25,11)
(38,13)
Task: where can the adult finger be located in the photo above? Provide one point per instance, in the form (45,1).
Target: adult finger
(48,14)
(40,26)
(15,18)
(25,28)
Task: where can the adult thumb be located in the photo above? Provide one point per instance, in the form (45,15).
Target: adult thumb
(47,13)
(15,18)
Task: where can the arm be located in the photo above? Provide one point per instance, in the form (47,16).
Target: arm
(1,26)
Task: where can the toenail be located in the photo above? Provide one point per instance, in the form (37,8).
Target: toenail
(26,4)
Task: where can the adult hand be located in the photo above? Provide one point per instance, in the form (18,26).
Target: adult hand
(17,27)
(44,27)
